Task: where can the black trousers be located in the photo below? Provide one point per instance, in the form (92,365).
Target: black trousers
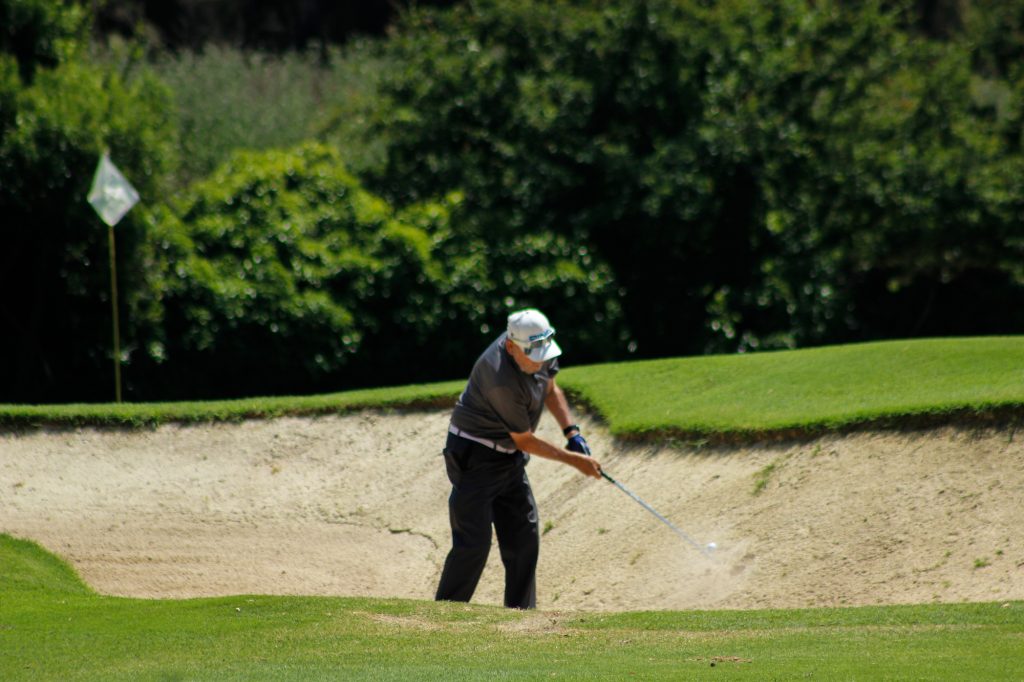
(490,487)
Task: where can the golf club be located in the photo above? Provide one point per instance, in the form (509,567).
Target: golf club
(705,550)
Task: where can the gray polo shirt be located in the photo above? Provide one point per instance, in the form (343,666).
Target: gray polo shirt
(500,398)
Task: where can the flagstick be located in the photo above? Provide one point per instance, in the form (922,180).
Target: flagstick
(117,326)
(112,196)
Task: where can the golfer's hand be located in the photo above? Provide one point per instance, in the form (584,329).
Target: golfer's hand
(577,444)
(588,466)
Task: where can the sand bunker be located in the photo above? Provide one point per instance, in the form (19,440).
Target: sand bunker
(356,505)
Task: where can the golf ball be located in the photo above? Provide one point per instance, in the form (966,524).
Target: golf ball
(712,545)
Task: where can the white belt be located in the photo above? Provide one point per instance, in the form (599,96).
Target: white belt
(483,441)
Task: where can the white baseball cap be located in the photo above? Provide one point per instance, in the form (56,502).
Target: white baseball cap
(532,332)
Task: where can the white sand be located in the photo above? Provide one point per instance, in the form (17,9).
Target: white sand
(357,505)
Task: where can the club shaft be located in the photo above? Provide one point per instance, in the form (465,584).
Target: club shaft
(696,545)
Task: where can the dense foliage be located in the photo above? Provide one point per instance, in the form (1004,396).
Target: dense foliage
(285,275)
(227,99)
(757,174)
(276,25)
(56,118)
(663,177)
(39,34)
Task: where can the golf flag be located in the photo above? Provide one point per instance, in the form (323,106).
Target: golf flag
(111,195)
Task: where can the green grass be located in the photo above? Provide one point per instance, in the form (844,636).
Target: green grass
(763,476)
(137,414)
(725,397)
(53,627)
(807,390)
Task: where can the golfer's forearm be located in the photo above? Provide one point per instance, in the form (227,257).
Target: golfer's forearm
(527,442)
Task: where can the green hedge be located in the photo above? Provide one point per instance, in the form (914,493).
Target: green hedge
(282,274)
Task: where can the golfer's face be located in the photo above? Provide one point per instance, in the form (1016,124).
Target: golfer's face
(526,364)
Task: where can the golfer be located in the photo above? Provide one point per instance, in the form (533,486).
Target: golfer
(489,438)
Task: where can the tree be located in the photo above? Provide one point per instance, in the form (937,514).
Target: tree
(253,24)
(39,33)
(285,275)
(751,171)
(57,115)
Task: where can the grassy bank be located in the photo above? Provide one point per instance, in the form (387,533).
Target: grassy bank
(896,382)
(53,627)
(741,396)
(130,414)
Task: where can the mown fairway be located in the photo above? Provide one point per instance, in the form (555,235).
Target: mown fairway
(53,627)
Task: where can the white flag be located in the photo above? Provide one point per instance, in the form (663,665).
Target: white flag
(111,195)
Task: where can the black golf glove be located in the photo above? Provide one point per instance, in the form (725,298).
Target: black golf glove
(577,444)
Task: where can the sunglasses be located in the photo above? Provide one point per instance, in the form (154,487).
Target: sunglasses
(534,343)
